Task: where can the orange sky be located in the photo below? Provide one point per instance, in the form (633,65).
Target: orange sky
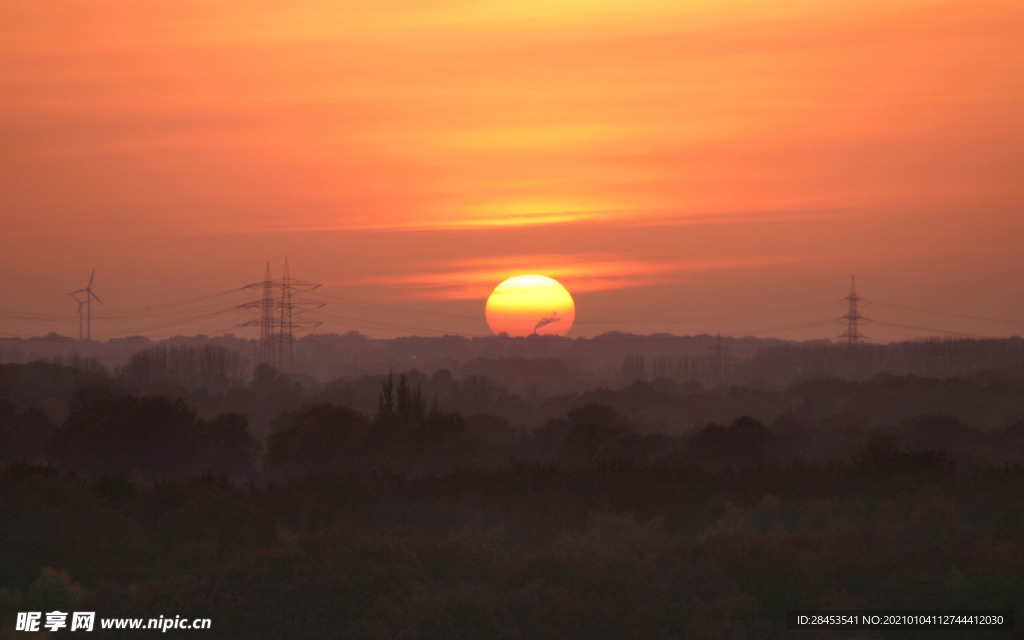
(687,167)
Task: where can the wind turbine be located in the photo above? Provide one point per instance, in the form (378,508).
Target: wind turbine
(89,295)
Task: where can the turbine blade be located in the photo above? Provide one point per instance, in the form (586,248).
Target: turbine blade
(91,276)
(95,296)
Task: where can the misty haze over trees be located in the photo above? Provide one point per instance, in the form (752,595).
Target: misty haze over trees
(624,485)
(558,364)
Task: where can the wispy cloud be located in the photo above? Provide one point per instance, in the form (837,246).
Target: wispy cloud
(580,273)
(610,144)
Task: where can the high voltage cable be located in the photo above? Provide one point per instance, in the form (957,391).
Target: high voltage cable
(198,310)
(380,324)
(120,313)
(177,303)
(201,316)
(390,307)
(387,325)
(790,327)
(723,317)
(189,279)
(33,315)
(950,314)
(192,320)
(960,334)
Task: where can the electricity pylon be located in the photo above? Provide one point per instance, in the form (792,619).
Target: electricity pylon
(277,334)
(287,325)
(852,333)
(719,361)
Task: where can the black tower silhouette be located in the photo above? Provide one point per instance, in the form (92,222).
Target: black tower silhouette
(275,346)
(852,333)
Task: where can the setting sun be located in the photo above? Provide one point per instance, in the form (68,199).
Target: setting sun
(530,304)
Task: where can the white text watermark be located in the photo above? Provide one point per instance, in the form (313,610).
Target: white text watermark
(86,621)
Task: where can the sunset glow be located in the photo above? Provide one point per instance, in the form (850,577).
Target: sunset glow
(681,160)
(530,304)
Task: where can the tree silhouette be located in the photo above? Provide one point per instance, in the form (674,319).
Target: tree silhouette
(153,436)
(743,443)
(315,439)
(23,434)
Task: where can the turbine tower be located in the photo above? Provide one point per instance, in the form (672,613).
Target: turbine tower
(852,333)
(87,303)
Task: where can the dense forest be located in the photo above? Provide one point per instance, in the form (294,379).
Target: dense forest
(435,505)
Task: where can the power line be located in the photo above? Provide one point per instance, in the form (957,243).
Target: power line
(958,334)
(713,317)
(280,315)
(159,326)
(950,314)
(788,327)
(159,308)
(391,307)
(377,324)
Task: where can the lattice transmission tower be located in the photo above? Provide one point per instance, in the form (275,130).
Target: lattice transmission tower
(265,347)
(852,317)
(277,331)
(719,361)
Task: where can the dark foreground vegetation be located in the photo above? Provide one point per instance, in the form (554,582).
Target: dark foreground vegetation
(421,519)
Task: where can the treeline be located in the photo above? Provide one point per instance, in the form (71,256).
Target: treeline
(407,505)
(779,364)
(212,379)
(525,551)
(91,422)
(985,401)
(159,438)
(931,358)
